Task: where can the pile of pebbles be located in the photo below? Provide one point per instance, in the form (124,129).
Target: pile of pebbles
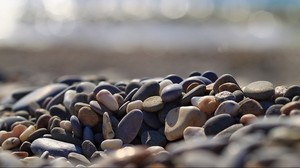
(203,120)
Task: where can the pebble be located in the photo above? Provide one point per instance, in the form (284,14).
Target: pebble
(282,100)
(187,82)
(61,135)
(88,134)
(191,132)
(66,124)
(146,90)
(179,118)
(111,144)
(287,108)
(107,86)
(37,134)
(212,76)
(217,123)
(206,104)
(273,110)
(38,96)
(280,91)
(107,99)
(292,91)
(68,98)
(196,91)
(227,132)
(24,136)
(97,107)
(88,148)
(152,120)
(171,92)
(76,159)
(137,104)
(131,121)
(107,130)
(153,138)
(20,154)
(231,87)
(259,90)
(223,96)
(225,78)
(239,95)
(228,107)
(174,78)
(60,111)
(88,117)
(54,147)
(247,119)
(76,126)
(11,143)
(86,87)
(251,106)
(153,104)
(43,121)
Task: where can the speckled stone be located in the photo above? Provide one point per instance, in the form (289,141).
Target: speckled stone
(38,96)
(88,117)
(107,99)
(287,108)
(146,90)
(153,138)
(197,91)
(228,107)
(111,144)
(223,96)
(153,104)
(129,126)
(259,90)
(171,92)
(226,78)
(179,118)
(251,106)
(107,130)
(292,91)
(207,104)
(216,124)
(280,91)
(191,132)
(54,147)
(88,148)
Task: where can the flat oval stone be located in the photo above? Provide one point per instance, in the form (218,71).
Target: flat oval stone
(129,126)
(171,92)
(38,96)
(68,97)
(273,110)
(153,104)
(76,126)
(107,99)
(111,144)
(212,76)
(130,95)
(206,104)
(10,143)
(132,85)
(88,117)
(37,134)
(29,130)
(196,91)
(191,132)
(251,106)
(54,147)
(181,117)
(78,98)
(163,84)
(287,108)
(163,112)
(187,82)
(216,124)
(228,107)
(88,148)
(225,78)
(292,91)
(246,119)
(239,95)
(107,130)
(59,98)
(137,104)
(146,90)
(195,73)
(259,90)
(282,100)
(153,138)
(78,159)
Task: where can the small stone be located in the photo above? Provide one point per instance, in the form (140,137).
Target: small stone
(179,118)
(292,91)
(174,78)
(25,146)
(97,107)
(88,148)
(107,130)
(171,92)
(137,104)
(227,132)
(191,132)
(217,123)
(88,134)
(197,91)
(65,124)
(61,135)
(287,108)
(76,126)
(228,107)
(226,78)
(152,120)
(146,90)
(76,159)
(11,143)
(37,134)
(20,154)
(107,86)
(223,96)
(247,119)
(81,98)
(130,95)
(60,111)
(88,117)
(129,126)
(86,87)
(153,104)
(273,110)
(212,76)
(54,147)
(67,100)
(239,95)
(153,138)
(280,91)
(192,86)
(295,112)
(107,99)
(43,121)
(111,144)
(231,87)
(207,104)
(188,81)
(45,155)
(259,90)
(282,100)
(251,106)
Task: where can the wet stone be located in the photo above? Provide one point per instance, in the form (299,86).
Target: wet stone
(179,118)
(216,124)
(131,121)
(224,95)
(153,138)
(153,104)
(54,147)
(171,92)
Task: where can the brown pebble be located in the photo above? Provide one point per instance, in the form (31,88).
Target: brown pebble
(287,108)
(246,119)
(231,87)
(251,106)
(43,121)
(206,104)
(192,86)
(66,124)
(88,117)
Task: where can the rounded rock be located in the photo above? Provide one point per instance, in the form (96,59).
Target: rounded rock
(223,96)
(191,132)
(153,104)
(88,148)
(171,92)
(107,99)
(88,117)
(11,143)
(259,90)
(216,124)
(223,79)
(107,130)
(111,144)
(287,108)
(146,90)
(207,104)
(137,104)
(292,91)
(153,138)
(247,119)
(228,107)
(251,106)
(181,117)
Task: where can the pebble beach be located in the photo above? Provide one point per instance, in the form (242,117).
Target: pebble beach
(204,119)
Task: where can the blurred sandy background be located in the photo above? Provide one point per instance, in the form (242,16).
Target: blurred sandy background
(252,40)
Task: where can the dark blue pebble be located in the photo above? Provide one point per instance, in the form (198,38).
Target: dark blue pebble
(282,100)
(130,94)
(195,73)
(76,126)
(292,91)
(212,76)
(273,110)
(132,85)
(171,92)
(88,134)
(60,111)
(54,147)
(266,104)
(217,123)
(151,119)
(38,96)
(146,90)
(174,78)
